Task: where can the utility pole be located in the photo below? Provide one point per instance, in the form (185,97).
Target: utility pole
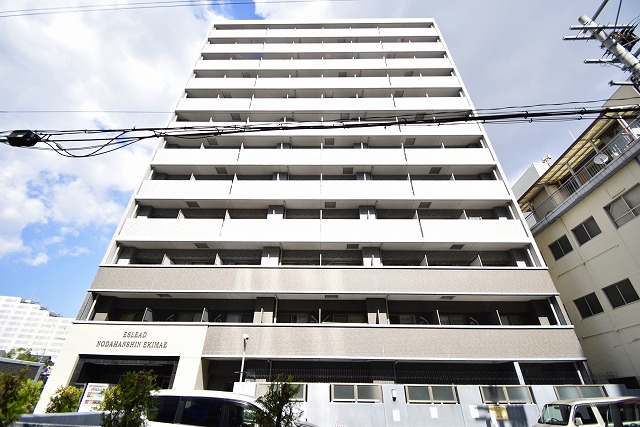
(617,43)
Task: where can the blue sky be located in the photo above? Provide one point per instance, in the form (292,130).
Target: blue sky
(58,215)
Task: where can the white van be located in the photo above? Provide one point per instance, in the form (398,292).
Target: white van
(206,408)
(203,408)
(593,412)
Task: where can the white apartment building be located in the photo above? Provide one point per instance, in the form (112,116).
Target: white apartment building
(27,324)
(583,212)
(383,265)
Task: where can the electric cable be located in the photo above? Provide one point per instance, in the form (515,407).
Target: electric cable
(144,5)
(120,138)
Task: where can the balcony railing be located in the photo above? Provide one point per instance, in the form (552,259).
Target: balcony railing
(585,174)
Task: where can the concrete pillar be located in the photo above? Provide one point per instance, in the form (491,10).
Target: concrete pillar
(270,255)
(125,255)
(377,311)
(371,257)
(275,212)
(264,310)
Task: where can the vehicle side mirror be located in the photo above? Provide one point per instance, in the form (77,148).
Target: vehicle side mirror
(578,421)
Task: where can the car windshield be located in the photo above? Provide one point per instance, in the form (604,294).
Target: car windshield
(555,414)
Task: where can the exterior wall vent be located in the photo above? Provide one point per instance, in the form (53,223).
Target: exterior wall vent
(330,205)
(424,205)
(235,117)
(164,296)
(221,170)
(347,171)
(201,245)
(409,141)
(447,297)
(211,140)
(192,204)
(329,141)
(353,245)
(457,247)
(435,170)
(331,297)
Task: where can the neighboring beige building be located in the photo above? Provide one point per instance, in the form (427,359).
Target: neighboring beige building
(583,214)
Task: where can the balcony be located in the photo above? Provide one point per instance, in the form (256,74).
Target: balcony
(256,233)
(393,160)
(297,49)
(311,109)
(605,162)
(448,194)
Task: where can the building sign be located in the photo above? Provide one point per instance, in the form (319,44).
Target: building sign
(92,397)
(499,412)
(132,339)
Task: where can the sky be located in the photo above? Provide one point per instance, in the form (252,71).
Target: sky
(128,67)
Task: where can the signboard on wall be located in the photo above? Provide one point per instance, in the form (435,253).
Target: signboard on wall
(499,412)
(92,397)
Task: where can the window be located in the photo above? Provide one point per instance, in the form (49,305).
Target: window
(349,318)
(505,394)
(588,305)
(586,231)
(240,317)
(431,394)
(301,395)
(579,391)
(560,247)
(621,293)
(625,207)
(202,411)
(402,319)
(356,393)
(585,413)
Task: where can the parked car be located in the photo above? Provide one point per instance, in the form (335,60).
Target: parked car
(593,412)
(203,408)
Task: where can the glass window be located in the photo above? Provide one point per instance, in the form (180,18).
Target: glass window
(356,392)
(588,305)
(300,396)
(240,415)
(493,394)
(586,414)
(443,393)
(621,293)
(166,409)
(577,392)
(586,231)
(518,394)
(343,392)
(560,247)
(625,208)
(418,393)
(202,411)
(369,392)
(505,394)
(555,414)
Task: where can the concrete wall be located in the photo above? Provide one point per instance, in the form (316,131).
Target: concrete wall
(610,339)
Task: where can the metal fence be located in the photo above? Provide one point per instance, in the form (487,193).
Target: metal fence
(614,148)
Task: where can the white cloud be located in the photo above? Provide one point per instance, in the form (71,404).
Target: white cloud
(73,251)
(103,61)
(40,259)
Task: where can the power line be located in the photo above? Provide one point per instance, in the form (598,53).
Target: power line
(143,5)
(120,138)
